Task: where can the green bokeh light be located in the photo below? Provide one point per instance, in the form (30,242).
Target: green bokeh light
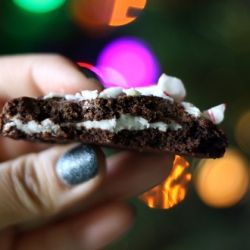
(39,6)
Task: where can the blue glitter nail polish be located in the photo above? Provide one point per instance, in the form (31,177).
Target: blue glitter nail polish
(77,165)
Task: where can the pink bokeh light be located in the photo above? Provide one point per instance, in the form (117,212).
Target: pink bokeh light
(112,78)
(128,62)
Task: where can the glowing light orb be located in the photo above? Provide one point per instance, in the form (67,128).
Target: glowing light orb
(126,11)
(97,14)
(111,77)
(222,182)
(242,132)
(39,6)
(132,60)
(173,190)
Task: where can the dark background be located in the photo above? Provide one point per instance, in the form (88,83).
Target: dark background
(204,43)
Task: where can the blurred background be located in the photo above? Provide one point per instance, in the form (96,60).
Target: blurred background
(203,204)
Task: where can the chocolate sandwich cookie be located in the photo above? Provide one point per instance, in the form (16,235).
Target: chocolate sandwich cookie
(153,119)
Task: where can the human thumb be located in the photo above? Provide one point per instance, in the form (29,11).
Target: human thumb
(43,184)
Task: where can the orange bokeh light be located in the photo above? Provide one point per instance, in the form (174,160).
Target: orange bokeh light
(126,11)
(173,190)
(222,182)
(242,132)
(100,15)
(92,15)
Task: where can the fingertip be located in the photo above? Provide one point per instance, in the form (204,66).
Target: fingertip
(95,84)
(56,73)
(79,178)
(40,74)
(93,79)
(91,75)
(80,171)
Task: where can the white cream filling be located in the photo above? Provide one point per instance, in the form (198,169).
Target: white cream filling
(126,121)
(32,127)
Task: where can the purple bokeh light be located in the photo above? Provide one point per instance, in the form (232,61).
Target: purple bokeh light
(112,78)
(128,62)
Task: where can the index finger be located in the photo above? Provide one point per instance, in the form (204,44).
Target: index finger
(36,75)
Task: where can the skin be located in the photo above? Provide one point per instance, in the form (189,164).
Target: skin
(37,211)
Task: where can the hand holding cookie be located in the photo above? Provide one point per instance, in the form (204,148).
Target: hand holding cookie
(64,196)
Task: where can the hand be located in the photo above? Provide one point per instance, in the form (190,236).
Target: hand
(42,206)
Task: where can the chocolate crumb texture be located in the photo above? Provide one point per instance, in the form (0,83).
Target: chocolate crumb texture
(195,136)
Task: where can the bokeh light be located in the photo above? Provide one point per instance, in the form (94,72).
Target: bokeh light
(222,182)
(93,16)
(99,15)
(111,77)
(107,76)
(242,132)
(39,6)
(132,60)
(126,11)
(171,191)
